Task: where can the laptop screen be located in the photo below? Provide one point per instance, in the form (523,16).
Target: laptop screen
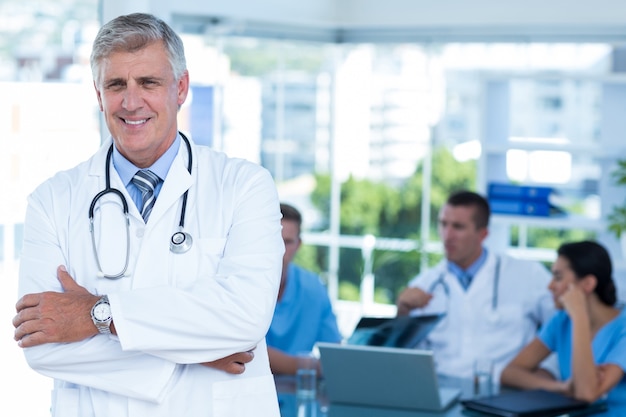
(401,332)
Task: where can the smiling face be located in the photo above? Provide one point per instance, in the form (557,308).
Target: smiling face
(140,98)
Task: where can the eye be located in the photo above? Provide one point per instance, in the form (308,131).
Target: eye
(149,82)
(114,85)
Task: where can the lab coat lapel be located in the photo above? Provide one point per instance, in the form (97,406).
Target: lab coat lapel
(177,182)
(96,163)
(482,283)
(97,169)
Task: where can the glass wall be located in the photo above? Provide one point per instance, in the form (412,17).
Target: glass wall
(368,140)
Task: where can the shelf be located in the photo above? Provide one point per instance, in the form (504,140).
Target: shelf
(595,150)
(561,222)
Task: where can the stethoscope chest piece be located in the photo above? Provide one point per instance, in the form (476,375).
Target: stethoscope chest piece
(180,242)
(493,317)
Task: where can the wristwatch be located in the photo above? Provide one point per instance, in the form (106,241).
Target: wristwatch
(101,315)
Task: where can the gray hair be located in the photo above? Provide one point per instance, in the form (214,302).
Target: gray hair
(133,32)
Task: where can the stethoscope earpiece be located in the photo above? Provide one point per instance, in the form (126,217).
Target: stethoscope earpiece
(180,242)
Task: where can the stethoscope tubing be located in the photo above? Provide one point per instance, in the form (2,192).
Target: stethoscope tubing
(180,244)
(446,289)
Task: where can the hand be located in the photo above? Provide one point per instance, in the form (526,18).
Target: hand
(53,317)
(567,387)
(573,300)
(601,372)
(232,364)
(412,298)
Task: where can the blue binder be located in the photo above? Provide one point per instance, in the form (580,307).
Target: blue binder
(518,192)
(520,207)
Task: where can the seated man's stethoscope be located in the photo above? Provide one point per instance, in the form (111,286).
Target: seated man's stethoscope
(180,241)
(494,295)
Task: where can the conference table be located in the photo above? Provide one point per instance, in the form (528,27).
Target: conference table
(291,406)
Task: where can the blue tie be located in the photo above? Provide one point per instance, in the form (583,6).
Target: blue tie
(465,280)
(146,181)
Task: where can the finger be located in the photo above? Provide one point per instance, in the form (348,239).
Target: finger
(20,332)
(31,339)
(24,330)
(27,301)
(243,357)
(23,316)
(236,368)
(67,281)
(249,356)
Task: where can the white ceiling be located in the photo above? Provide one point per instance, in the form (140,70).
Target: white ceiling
(393,20)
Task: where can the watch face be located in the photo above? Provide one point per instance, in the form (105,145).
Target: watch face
(102,312)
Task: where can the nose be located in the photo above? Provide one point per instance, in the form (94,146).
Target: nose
(132,98)
(444,232)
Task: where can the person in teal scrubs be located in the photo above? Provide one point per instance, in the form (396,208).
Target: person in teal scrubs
(304,313)
(588,333)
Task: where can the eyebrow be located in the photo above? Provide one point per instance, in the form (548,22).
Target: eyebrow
(142,79)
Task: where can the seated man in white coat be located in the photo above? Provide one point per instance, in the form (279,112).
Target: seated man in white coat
(493,303)
(149,273)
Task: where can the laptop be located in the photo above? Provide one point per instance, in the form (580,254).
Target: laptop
(400,332)
(383,377)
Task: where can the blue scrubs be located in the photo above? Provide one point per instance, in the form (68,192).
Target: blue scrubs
(304,314)
(608,346)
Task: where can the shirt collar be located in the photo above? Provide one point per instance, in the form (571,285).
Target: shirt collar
(473,268)
(161,166)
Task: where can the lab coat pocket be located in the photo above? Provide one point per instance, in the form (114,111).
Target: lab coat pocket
(246,397)
(507,322)
(65,402)
(200,261)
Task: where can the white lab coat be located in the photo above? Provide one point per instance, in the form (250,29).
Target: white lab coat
(171,311)
(472,328)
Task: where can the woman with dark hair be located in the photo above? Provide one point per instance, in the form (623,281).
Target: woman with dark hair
(588,333)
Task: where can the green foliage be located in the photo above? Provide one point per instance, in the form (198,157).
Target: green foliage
(448,175)
(549,238)
(384,210)
(366,206)
(617,217)
(307,257)
(349,291)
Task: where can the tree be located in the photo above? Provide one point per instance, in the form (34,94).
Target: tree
(386,211)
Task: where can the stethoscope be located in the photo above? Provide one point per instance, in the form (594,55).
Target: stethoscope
(180,242)
(494,295)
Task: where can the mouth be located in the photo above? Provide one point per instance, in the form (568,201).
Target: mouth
(134,122)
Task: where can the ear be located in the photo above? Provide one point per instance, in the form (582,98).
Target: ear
(588,283)
(98,96)
(484,232)
(183,88)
